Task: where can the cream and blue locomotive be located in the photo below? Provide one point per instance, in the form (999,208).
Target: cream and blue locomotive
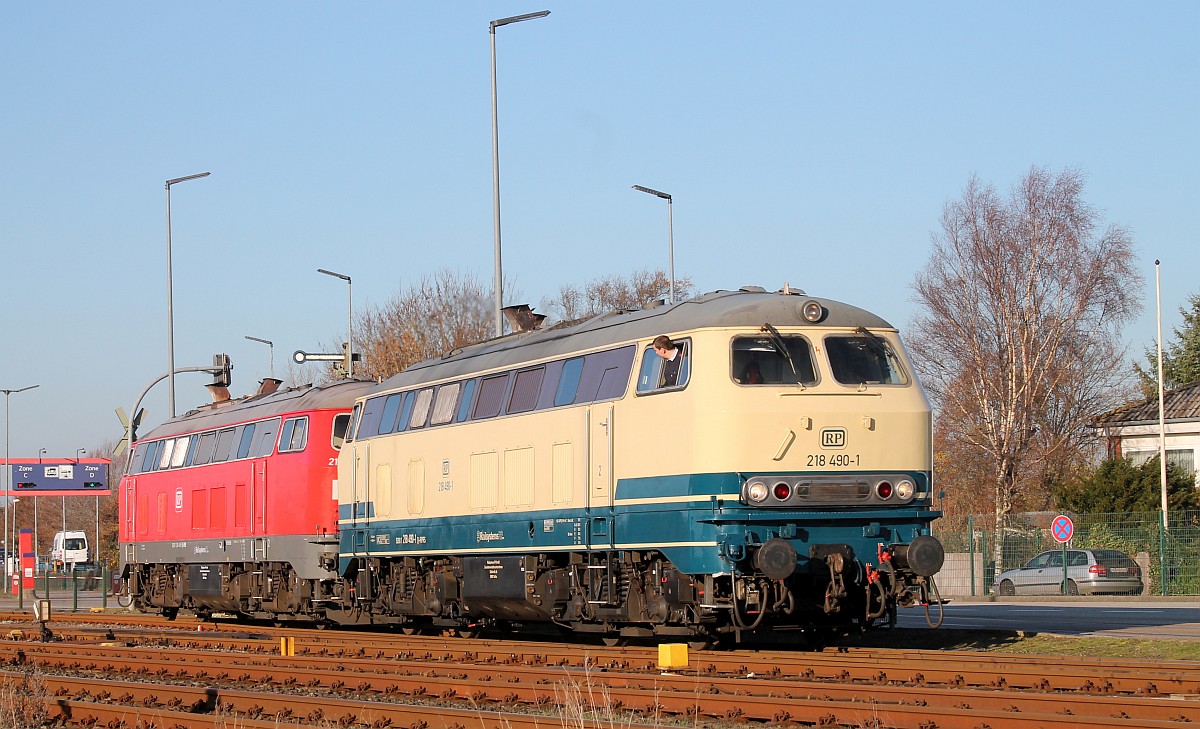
(775,472)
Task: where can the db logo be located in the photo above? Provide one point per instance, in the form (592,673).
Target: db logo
(833,438)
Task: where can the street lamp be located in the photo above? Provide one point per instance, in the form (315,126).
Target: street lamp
(349,320)
(498,282)
(170,297)
(670,234)
(271,353)
(41,452)
(8,477)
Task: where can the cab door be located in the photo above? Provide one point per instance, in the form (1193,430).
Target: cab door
(258,507)
(599,465)
(360,502)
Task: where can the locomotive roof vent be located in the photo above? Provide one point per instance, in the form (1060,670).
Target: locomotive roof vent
(219,393)
(654,304)
(268,385)
(521,317)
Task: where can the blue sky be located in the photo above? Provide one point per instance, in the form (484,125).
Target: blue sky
(808,144)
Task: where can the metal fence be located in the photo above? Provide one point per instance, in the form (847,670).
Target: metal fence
(1169,557)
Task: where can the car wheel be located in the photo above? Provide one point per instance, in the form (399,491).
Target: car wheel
(1072,588)
(1007,589)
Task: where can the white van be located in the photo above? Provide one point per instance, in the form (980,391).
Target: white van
(69,549)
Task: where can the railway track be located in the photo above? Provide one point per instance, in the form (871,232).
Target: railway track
(358,679)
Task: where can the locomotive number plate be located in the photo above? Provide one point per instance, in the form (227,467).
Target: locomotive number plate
(834,460)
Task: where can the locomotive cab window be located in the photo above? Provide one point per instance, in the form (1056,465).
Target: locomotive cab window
(863,359)
(773,360)
(294,435)
(391,408)
(341,426)
(658,374)
(351,424)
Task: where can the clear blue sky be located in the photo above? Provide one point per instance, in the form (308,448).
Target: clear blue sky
(803,143)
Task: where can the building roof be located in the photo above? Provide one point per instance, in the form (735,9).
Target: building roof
(1182,403)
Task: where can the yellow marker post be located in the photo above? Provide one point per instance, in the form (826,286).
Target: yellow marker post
(287,646)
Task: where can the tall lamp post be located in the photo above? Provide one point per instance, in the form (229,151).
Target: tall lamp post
(170,296)
(9,500)
(271,354)
(670,235)
(498,281)
(36,560)
(349,320)
(79,453)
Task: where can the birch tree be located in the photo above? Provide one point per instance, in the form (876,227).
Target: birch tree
(1018,337)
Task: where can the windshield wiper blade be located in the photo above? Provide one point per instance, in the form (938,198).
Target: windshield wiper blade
(877,344)
(780,346)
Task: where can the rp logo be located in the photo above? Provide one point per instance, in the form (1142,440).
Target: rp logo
(833,437)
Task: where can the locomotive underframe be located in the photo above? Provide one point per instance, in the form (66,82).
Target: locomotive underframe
(264,590)
(620,593)
(615,593)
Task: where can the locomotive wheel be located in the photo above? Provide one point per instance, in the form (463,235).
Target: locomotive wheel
(613,641)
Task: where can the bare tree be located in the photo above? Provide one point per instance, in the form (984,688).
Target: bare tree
(612,292)
(1023,301)
(434,315)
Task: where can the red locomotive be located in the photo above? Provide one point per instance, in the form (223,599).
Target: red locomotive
(232,507)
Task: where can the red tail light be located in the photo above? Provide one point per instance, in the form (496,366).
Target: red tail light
(1098,569)
(782,490)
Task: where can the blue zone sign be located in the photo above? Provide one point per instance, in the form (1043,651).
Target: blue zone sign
(62,478)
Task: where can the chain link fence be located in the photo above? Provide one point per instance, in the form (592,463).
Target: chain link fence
(976,551)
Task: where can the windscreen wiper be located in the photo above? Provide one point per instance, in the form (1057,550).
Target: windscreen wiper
(780,346)
(876,343)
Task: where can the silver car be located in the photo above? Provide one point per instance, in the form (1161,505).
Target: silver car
(1089,572)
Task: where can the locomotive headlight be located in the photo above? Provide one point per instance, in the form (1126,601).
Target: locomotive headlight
(812,311)
(884,489)
(783,490)
(757,491)
(905,489)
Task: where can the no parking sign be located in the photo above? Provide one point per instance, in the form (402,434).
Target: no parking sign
(1062,528)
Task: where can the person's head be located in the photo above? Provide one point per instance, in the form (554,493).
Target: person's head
(663,346)
(753,374)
